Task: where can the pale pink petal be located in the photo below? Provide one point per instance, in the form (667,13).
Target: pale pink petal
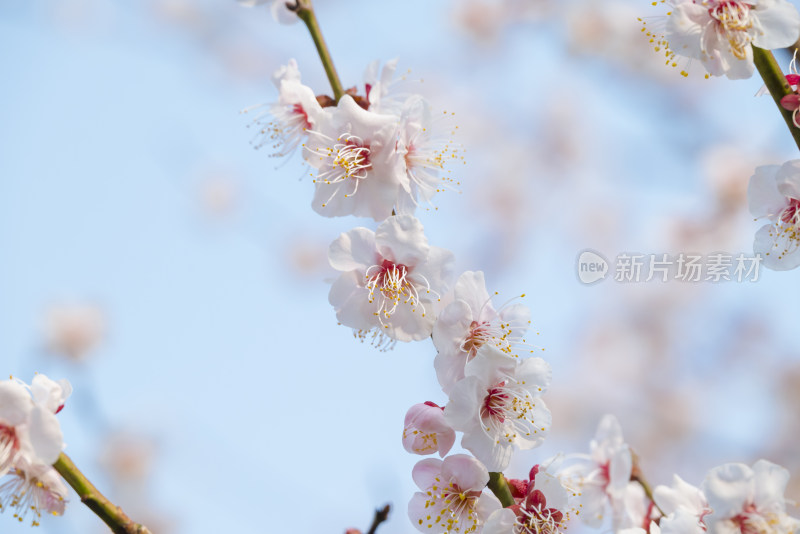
(468,471)
(764,198)
(353,250)
(402,240)
(425,472)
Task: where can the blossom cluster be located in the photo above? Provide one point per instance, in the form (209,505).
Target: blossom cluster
(722,34)
(30,442)
(376,154)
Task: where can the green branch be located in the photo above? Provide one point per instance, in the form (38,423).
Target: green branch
(499,486)
(112,515)
(305,11)
(778,87)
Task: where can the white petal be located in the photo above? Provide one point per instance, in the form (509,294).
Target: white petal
(763,197)
(487,505)
(500,522)
(770,484)
(45,435)
(439,269)
(491,364)
(788,179)
(402,240)
(471,288)
(465,399)
(684,29)
(452,327)
(780,24)
(778,246)
(410,323)
(15,403)
(353,250)
(728,488)
(49,393)
(283,14)
(351,302)
(495,453)
(535,373)
(680,495)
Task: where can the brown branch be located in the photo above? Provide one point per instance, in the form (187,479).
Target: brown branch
(381,515)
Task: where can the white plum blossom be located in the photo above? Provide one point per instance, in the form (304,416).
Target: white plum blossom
(391,279)
(498,406)
(721,33)
(423,153)
(358,168)
(34,488)
(543,509)
(774,194)
(49,394)
(685,507)
(30,442)
(28,426)
(602,476)
(425,430)
(377,85)
(748,500)
(469,322)
(280,12)
(286,123)
(452,499)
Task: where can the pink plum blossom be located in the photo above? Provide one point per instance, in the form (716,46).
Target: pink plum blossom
(452,500)
(544,508)
(425,430)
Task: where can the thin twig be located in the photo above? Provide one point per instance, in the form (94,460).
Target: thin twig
(305,11)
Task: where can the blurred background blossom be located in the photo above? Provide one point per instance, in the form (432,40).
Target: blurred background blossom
(214,386)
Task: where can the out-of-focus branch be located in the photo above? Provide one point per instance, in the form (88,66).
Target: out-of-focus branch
(638,477)
(112,515)
(381,515)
